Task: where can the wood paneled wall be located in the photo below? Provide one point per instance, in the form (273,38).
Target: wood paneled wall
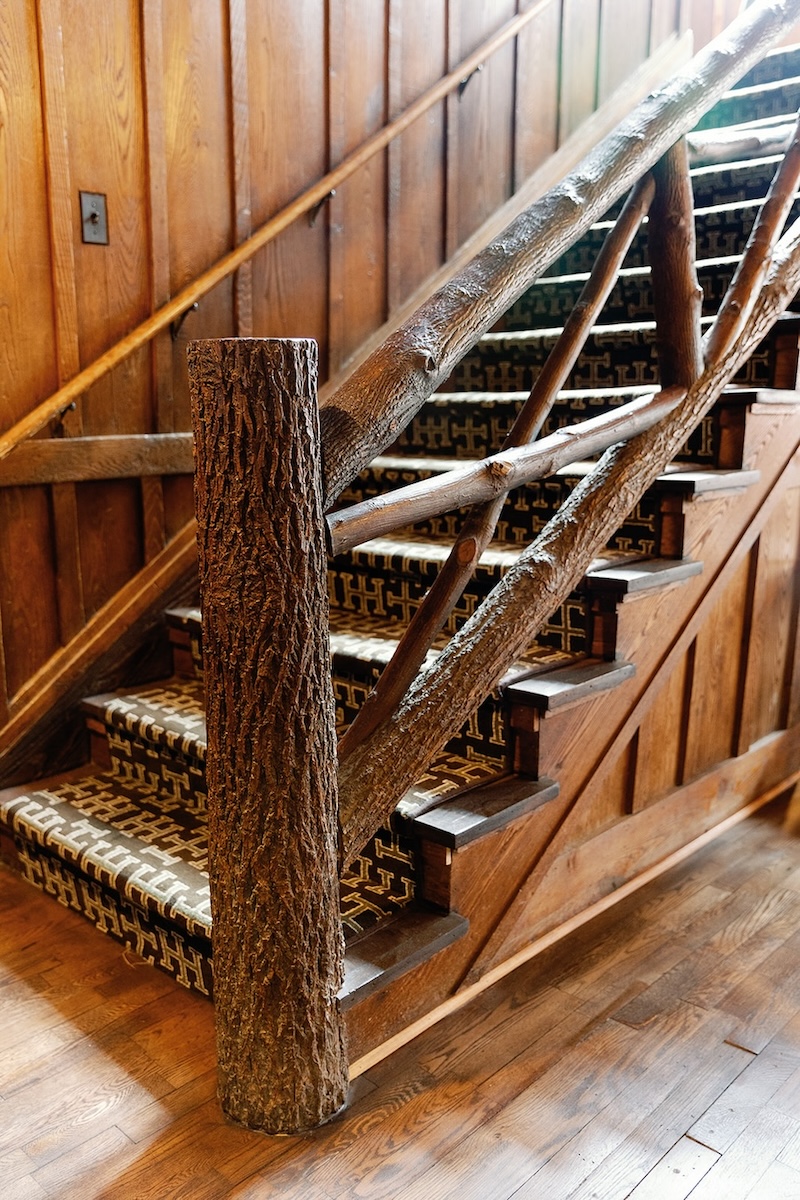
(199,120)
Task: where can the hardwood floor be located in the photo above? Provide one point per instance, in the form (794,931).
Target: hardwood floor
(654,1054)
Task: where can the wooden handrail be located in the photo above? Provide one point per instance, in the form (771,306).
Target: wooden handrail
(61,400)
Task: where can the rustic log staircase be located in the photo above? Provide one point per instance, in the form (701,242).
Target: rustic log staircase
(658,700)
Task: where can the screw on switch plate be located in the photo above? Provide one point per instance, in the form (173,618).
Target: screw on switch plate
(94,218)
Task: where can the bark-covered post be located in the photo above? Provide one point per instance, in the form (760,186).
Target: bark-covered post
(271,764)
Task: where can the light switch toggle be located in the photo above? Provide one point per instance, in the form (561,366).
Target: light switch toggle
(94,218)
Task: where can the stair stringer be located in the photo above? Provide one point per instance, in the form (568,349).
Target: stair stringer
(519,884)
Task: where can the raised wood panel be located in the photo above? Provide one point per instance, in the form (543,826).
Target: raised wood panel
(108,560)
(27,364)
(624,41)
(417,184)
(28,600)
(358,50)
(286,44)
(579,46)
(106,147)
(199,189)
(714,698)
(480,119)
(536,120)
(659,752)
(773,628)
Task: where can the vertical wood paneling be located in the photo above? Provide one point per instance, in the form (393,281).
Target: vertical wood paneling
(28,601)
(665,18)
(287,57)
(106,140)
(480,119)
(659,749)
(152,491)
(71,608)
(358,106)
(624,41)
(714,699)
(772,631)
(417,189)
(536,119)
(198,122)
(580,31)
(29,617)
(242,202)
(199,169)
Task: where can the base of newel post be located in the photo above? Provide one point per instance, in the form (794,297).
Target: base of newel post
(271,759)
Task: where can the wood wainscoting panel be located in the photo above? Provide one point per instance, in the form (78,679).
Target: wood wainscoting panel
(714,692)
(417,159)
(660,739)
(480,133)
(536,119)
(358,55)
(773,632)
(287,82)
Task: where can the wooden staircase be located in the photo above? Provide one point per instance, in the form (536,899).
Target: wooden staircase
(659,700)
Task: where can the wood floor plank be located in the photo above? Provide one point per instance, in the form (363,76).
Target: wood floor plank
(660,1130)
(674,1177)
(741,1168)
(678,1053)
(736,1107)
(779,1182)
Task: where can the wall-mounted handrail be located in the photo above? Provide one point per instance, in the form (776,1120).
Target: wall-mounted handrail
(60,401)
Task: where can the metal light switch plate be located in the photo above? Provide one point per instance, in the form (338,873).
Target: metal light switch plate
(94,218)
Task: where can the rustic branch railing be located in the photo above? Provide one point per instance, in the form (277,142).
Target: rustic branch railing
(360,420)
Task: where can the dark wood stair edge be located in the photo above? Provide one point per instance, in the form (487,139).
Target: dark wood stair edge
(569,685)
(646,575)
(474,813)
(394,947)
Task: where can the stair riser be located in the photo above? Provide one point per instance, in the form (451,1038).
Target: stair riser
(737,108)
(782,64)
(608,360)
(547,304)
(719,232)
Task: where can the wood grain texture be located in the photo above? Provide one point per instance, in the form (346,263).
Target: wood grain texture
(770,654)
(271,760)
(59,460)
(480,120)
(503,626)
(580,25)
(358,108)
(416,161)
(536,93)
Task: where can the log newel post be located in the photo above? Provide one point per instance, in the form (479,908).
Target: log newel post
(271,762)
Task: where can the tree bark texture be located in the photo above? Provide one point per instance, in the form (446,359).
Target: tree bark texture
(381,769)
(363,416)
(677,295)
(271,761)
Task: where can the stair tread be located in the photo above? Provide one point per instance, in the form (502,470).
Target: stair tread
(645,575)
(394,947)
(564,686)
(479,811)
